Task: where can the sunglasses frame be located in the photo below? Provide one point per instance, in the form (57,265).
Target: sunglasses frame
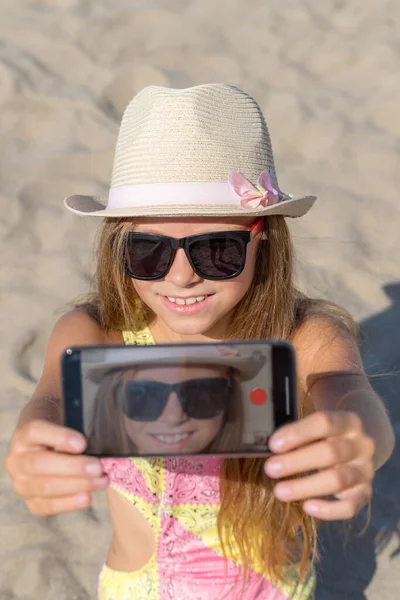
(173,388)
(244,237)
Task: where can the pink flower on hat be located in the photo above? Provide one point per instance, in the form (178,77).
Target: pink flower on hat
(261,195)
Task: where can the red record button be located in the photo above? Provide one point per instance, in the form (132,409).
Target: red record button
(258,396)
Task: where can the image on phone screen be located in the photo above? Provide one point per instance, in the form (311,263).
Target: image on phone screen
(156,401)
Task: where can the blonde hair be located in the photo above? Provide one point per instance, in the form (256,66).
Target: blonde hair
(107,435)
(271,308)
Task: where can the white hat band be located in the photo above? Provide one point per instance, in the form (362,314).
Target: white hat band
(166,194)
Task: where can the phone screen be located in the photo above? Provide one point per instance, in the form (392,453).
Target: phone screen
(158,400)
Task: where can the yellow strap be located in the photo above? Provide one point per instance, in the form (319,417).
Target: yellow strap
(143,337)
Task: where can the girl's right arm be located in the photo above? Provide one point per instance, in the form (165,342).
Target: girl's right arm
(45,461)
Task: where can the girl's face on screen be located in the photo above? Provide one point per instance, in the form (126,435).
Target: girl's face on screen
(172,430)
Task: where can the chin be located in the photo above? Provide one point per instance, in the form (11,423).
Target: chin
(185,326)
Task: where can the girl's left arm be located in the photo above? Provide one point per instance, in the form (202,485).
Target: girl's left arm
(346,437)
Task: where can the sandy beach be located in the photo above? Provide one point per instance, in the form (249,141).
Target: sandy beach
(326,75)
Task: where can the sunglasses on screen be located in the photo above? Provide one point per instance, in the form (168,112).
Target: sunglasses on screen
(215,255)
(199,398)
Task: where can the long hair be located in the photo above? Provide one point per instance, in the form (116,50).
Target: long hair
(107,434)
(267,532)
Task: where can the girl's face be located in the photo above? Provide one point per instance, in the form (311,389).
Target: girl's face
(208,315)
(174,432)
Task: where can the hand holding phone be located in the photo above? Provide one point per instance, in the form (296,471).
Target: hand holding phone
(224,399)
(47,471)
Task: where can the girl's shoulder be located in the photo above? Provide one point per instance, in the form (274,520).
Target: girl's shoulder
(74,328)
(79,325)
(325,345)
(323,327)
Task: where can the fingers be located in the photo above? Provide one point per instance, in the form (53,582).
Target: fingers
(43,462)
(319,455)
(336,448)
(42,433)
(318,426)
(46,472)
(325,483)
(54,487)
(53,506)
(342,509)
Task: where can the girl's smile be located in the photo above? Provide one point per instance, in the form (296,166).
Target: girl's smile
(170,442)
(189,305)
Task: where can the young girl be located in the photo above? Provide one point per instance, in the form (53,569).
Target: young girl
(194,247)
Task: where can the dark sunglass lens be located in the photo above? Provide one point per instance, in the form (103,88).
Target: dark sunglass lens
(144,400)
(147,257)
(217,257)
(205,398)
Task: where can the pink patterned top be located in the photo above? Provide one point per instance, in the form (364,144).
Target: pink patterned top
(179,497)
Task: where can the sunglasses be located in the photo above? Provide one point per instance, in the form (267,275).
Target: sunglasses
(215,255)
(199,398)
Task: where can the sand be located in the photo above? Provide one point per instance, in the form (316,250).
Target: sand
(327,76)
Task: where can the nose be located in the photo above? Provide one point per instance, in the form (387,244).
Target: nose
(173,414)
(181,273)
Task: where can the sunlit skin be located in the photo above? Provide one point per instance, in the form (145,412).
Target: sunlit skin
(173,420)
(210,321)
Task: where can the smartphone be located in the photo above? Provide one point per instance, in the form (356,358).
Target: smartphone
(187,399)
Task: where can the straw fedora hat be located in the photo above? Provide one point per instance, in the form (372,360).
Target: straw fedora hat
(203,151)
(244,360)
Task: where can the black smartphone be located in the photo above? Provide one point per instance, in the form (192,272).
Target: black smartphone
(189,399)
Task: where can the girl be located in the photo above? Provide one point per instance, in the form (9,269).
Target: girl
(190,408)
(194,247)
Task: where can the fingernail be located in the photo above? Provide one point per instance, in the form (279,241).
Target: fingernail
(82,499)
(282,491)
(77,443)
(273,468)
(312,509)
(101,482)
(94,468)
(277,443)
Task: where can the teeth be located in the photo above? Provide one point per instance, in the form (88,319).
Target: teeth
(187,301)
(172,439)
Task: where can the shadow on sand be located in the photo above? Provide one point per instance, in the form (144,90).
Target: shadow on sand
(348,557)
